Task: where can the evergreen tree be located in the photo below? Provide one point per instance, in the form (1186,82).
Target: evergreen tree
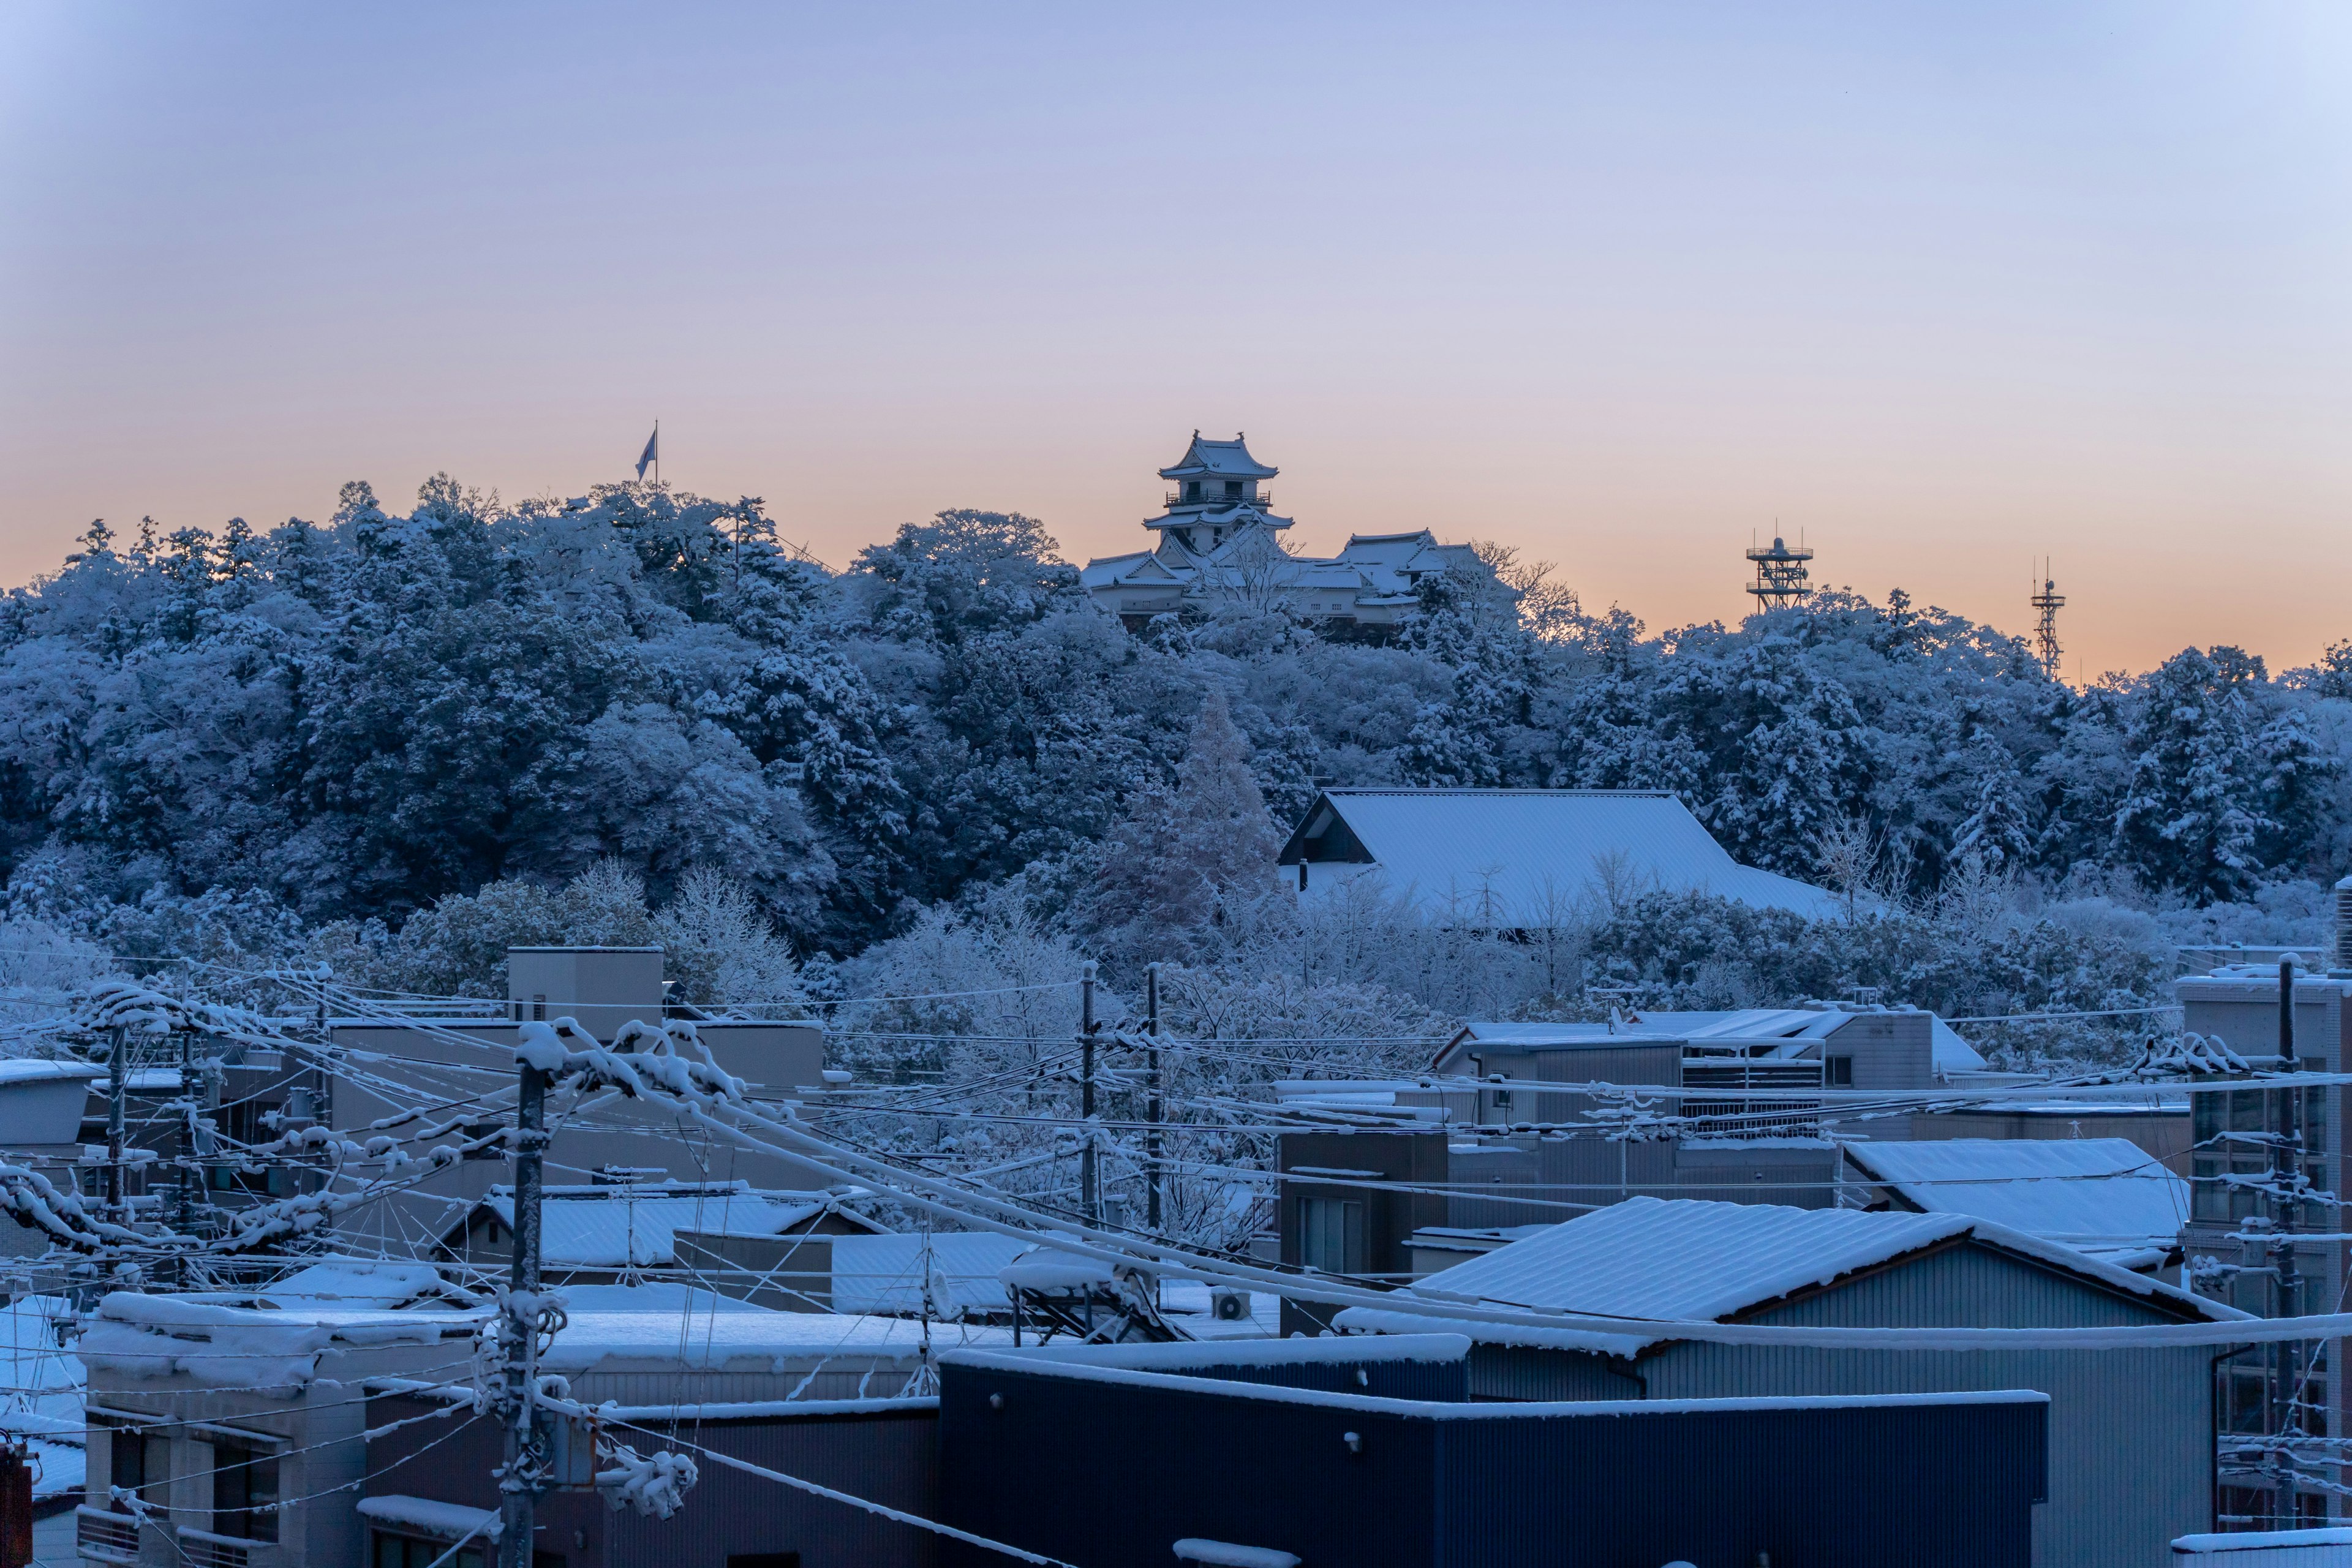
(1183,859)
(2219,789)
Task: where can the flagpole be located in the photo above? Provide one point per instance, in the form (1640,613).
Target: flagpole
(656,454)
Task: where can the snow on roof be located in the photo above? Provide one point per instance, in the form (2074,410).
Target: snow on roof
(1227,459)
(768,1339)
(1088,1371)
(651,1296)
(618,1227)
(884,1273)
(140,1336)
(2100,1195)
(450,1521)
(352,1282)
(2255,982)
(1105,569)
(1750,1025)
(1232,1554)
(2315,1547)
(27,1070)
(1666,1259)
(1522,857)
(1194,1355)
(1953,1054)
(44,1380)
(1777,1030)
(1514,1036)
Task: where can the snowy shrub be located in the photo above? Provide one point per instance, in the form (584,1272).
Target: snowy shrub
(718,946)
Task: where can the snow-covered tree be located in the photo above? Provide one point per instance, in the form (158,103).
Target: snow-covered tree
(1183,858)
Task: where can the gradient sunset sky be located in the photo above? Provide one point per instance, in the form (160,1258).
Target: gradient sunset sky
(1948,287)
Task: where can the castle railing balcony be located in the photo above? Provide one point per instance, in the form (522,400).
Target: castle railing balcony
(1262,499)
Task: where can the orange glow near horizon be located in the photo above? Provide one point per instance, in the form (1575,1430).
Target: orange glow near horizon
(1945,293)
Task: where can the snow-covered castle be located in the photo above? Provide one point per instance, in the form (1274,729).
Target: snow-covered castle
(1220,543)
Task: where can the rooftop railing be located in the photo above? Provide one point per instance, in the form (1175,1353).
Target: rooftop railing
(1178,498)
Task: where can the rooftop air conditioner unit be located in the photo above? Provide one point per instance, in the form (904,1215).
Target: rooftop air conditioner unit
(1230,1306)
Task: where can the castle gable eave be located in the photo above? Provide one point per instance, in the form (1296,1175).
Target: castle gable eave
(1224,459)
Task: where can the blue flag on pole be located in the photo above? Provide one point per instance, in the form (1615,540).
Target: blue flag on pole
(652,451)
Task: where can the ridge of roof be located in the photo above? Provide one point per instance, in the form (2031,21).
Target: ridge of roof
(1653,1261)
(1359,790)
(1214,457)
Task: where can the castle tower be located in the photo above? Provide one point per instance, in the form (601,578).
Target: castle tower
(1219,491)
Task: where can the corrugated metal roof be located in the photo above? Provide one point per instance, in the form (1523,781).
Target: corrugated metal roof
(756,1335)
(2102,1195)
(1522,858)
(1561,1036)
(1678,1258)
(884,1273)
(354,1282)
(640,1227)
(1750,1024)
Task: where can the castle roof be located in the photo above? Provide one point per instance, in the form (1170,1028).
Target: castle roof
(1225,459)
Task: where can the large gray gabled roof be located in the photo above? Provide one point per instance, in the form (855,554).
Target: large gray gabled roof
(1521,858)
(2106,1197)
(1658,1261)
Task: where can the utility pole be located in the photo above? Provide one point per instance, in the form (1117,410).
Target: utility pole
(2286,1213)
(523,1475)
(1151,1110)
(117,1203)
(184,1205)
(1089,1174)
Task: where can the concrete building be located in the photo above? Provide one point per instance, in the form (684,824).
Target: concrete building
(2130,1433)
(953,1275)
(430,1484)
(399,1057)
(610,1232)
(1465,1157)
(1376,1454)
(236,1430)
(2230,1239)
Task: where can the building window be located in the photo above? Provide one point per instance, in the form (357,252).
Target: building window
(1837,1072)
(2252,1116)
(1232,490)
(1192,489)
(2245,1403)
(244,1493)
(139,1463)
(410,1552)
(1331,1234)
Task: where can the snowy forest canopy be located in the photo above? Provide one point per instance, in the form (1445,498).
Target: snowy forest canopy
(365,738)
